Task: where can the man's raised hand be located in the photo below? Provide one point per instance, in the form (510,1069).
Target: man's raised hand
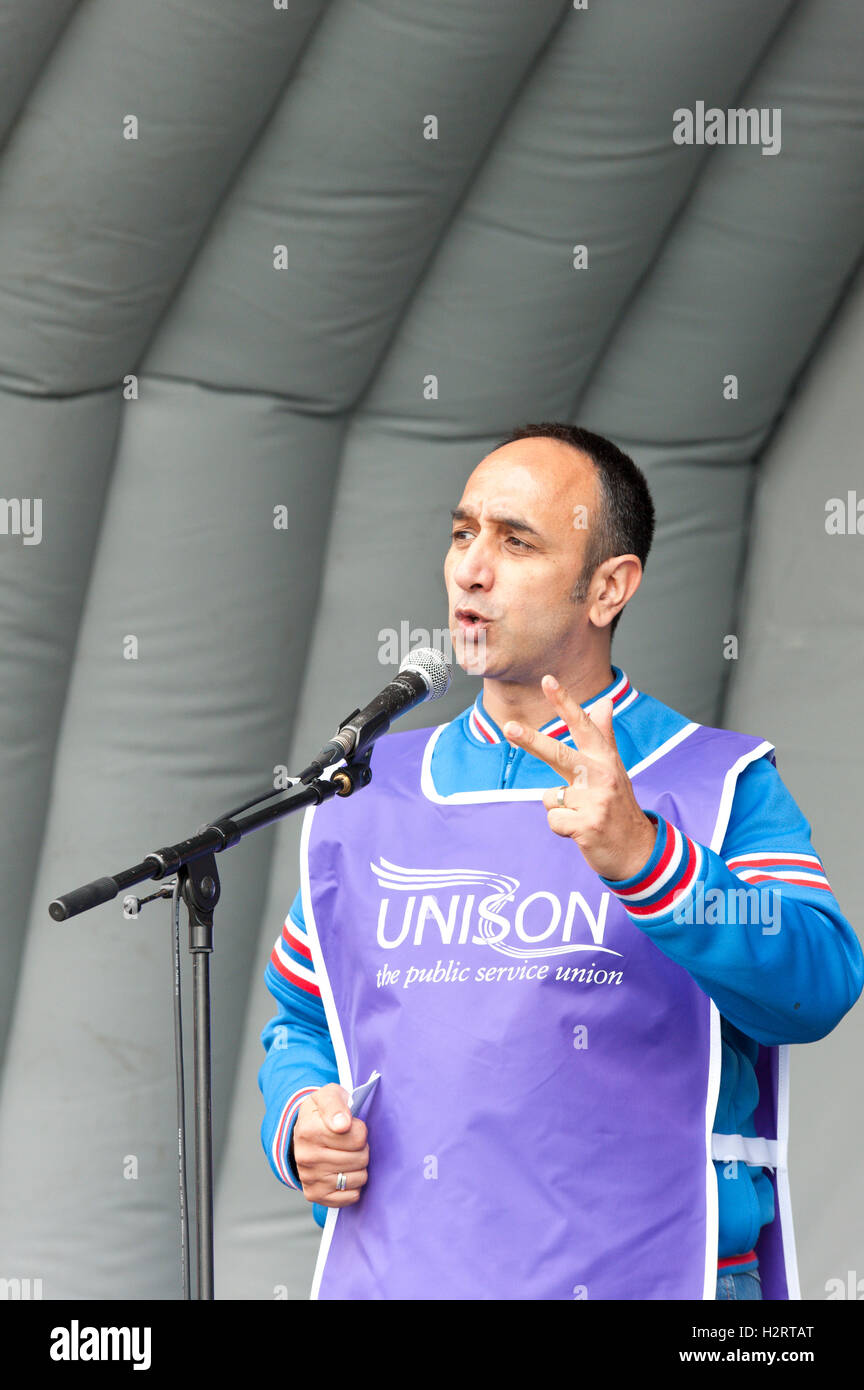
(599,810)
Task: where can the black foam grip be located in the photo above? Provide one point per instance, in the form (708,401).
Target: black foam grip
(101,890)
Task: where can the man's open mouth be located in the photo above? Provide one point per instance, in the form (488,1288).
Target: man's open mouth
(470,620)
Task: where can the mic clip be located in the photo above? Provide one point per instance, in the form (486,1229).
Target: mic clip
(356,773)
(363,732)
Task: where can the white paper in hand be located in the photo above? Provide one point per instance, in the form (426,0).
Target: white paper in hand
(361,1094)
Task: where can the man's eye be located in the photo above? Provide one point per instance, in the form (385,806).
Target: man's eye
(457,535)
(517,540)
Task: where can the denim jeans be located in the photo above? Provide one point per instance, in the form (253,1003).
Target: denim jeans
(739,1285)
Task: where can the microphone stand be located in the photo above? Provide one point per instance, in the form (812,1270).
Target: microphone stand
(193,861)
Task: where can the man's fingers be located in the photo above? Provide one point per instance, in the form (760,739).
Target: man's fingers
(553,752)
(353,1182)
(587,734)
(318,1162)
(316,1136)
(332,1103)
(594,736)
(570,802)
(334,1199)
(322,1188)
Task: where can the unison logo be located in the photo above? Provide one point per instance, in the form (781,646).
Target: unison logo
(492,918)
(736,126)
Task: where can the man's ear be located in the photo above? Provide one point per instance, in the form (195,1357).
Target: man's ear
(613,584)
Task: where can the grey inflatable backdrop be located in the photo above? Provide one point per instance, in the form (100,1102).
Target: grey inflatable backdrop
(318,258)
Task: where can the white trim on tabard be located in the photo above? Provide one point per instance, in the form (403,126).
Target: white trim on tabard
(663,749)
(333,1024)
(724,810)
(782,1176)
(771,1153)
(712,1195)
(323,1250)
(427,785)
(757,1153)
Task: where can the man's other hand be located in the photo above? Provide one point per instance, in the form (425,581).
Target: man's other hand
(328,1140)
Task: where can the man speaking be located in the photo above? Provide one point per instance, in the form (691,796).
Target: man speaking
(574,932)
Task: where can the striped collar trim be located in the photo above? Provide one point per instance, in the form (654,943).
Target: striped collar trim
(485,730)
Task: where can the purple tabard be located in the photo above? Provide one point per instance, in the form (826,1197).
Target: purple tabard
(543,1124)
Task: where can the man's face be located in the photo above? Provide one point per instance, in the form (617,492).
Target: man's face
(519,537)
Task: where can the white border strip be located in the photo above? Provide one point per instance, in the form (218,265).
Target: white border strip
(787,1231)
(427,785)
(724,810)
(663,749)
(333,1024)
(712,1195)
(787,1235)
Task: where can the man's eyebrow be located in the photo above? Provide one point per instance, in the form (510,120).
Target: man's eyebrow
(509,523)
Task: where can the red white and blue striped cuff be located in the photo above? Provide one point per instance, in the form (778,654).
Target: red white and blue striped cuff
(282,1137)
(677,863)
(666,881)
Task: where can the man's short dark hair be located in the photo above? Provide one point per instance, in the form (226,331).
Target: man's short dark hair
(626,522)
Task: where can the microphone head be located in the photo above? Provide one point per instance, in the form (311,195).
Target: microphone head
(432,668)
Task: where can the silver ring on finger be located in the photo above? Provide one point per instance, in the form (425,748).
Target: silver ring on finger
(559,796)
(341,1182)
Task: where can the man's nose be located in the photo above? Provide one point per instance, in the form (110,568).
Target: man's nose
(475,567)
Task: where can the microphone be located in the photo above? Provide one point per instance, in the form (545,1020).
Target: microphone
(423,675)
